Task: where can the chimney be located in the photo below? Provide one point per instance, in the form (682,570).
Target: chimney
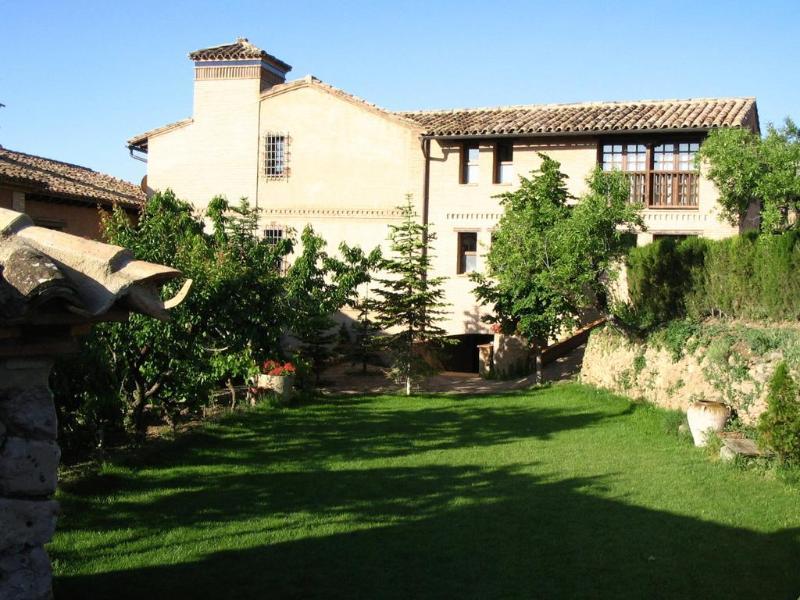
(232,76)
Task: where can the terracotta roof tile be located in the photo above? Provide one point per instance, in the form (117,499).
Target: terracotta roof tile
(140,140)
(55,178)
(45,272)
(595,117)
(241,49)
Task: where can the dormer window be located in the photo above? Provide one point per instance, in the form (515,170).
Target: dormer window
(276,156)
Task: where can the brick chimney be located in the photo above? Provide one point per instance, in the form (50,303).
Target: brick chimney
(232,76)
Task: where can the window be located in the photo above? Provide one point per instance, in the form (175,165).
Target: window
(470,167)
(504,162)
(467,252)
(632,159)
(276,156)
(661,175)
(273,236)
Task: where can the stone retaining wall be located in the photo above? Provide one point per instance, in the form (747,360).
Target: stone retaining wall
(645,371)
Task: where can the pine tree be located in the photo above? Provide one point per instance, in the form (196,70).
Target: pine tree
(364,346)
(410,303)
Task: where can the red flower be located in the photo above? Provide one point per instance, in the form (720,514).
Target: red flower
(273,367)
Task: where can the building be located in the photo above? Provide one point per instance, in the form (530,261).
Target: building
(307,152)
(62,196)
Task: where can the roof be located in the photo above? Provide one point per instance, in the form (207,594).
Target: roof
(49,276)
(140,140)
(311,81)
(241,49)
(55,178)
(590,118)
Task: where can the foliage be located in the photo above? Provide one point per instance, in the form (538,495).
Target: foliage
(409,302)
(747,168)
(549,261)
(364,347)
(745,276)
(660,275)
(780,423)
(213,336)
(318,285)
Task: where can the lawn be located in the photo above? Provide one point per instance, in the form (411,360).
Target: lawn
(563,492)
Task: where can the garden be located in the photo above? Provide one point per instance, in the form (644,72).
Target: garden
(205,462)
(559,492)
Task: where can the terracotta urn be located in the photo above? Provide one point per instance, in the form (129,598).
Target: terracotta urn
(706,416)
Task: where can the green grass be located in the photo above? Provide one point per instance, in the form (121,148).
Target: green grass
(564,492)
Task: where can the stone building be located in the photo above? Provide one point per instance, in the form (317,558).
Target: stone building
(306,152)
(62,196)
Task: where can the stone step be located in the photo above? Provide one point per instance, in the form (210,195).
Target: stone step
(735,445)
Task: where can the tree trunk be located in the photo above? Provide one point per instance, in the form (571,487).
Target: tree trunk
(408,385)
(232,390)
(137,410)
(537,356)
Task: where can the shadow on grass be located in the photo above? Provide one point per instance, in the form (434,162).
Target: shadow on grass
(425,531)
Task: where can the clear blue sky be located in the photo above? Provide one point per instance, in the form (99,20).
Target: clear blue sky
(78,78)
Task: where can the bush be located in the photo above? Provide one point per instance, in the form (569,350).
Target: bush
(660,277)
(746,276)
(779,426)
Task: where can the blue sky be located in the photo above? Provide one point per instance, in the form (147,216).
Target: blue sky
(78,78)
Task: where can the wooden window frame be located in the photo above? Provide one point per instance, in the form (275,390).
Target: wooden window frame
(676,177)
(465,163)
(461,266)
(498,164)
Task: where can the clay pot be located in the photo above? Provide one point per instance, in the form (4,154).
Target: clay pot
(282,385)
(706,416)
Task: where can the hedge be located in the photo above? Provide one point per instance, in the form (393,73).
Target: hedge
(746,276)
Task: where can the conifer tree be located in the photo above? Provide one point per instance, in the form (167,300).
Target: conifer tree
(409,303)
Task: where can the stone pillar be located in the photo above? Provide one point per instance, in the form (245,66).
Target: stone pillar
(29,458)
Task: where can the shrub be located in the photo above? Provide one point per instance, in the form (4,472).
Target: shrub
(660,277)
(780,424)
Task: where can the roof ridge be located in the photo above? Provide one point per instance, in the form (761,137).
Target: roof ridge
(54,160)
(571,104)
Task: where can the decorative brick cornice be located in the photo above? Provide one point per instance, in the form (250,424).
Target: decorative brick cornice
(227,72)
(473,216)
(333,213)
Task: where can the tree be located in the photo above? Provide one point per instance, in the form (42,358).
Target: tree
(409,303)
(779,425)
(364,345)
(318,285)
(549,262)
(233,313)
(747,168)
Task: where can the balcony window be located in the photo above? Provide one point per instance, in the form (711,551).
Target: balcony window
(467,252)
(470,167)
(504,162)
(661,175)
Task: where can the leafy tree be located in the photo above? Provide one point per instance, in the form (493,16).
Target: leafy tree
(748,168)
(233,313)
(318,285)
(409,303)
(549,261)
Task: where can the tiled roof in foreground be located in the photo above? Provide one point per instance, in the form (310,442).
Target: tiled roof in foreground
(55,178)
(589,118)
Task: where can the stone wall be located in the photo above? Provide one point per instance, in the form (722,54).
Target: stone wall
(29,458)
(738,376)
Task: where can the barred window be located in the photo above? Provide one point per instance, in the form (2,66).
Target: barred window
(273,236)
(276,156)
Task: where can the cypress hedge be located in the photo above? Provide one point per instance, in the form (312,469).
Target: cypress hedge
(746,276)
